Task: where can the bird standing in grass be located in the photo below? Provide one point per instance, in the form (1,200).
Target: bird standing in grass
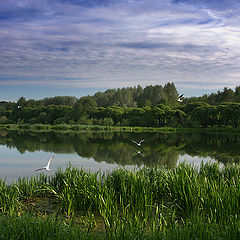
(46,167)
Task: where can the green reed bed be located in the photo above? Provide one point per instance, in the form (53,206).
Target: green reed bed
(82,128)
(29,227)
(9,198)
(77,190)
(151,203)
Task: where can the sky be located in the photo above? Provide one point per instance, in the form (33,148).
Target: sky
(78,47)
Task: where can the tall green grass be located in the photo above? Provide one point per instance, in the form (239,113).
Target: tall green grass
(28,227)
(76,189)
(177,203)
(31,187)
(9,199)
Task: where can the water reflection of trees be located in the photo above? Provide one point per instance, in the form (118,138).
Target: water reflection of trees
(222,147)
(157,149)
(32,141)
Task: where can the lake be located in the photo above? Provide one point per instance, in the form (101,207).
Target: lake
(23,152)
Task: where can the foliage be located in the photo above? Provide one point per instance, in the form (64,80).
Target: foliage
(3,119)
(137,96)
(84,107)
(152,106)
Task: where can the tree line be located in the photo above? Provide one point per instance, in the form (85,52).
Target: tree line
(150,106)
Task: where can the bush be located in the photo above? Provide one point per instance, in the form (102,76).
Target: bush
(3,119)
(60,120)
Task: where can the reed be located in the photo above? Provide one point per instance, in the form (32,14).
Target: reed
(83,128)
(28,227)
(31,187)
(75,188)
(150,202)
(9,199)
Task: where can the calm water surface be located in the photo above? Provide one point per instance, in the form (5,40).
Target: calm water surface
(23,152)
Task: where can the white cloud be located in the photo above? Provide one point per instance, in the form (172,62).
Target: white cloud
(124,44)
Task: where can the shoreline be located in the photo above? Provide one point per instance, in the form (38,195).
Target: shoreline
(98,128)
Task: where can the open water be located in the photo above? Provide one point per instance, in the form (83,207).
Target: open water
(23,152)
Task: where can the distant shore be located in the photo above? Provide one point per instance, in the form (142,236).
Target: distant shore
(98,128)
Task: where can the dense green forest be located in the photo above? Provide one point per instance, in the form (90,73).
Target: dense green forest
(154,106)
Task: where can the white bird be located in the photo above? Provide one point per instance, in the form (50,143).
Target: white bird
(139,144)
(179,99)
(46,167)
(138,153)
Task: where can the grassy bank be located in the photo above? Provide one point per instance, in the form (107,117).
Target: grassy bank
(98,128)
(151,203)
(209,130)
(82,128)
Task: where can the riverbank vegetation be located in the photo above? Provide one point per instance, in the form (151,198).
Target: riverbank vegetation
(83,128)
(149,203)
(152,106)
(77,128)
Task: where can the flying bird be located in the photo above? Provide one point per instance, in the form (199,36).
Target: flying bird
(179,98)
(139,144)
(46,167)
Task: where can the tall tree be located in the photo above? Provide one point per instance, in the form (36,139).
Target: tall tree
(237,94)
(171,92)
(101,99)
(85,106)
(21,102)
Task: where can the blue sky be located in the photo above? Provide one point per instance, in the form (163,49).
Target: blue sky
(77,47)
